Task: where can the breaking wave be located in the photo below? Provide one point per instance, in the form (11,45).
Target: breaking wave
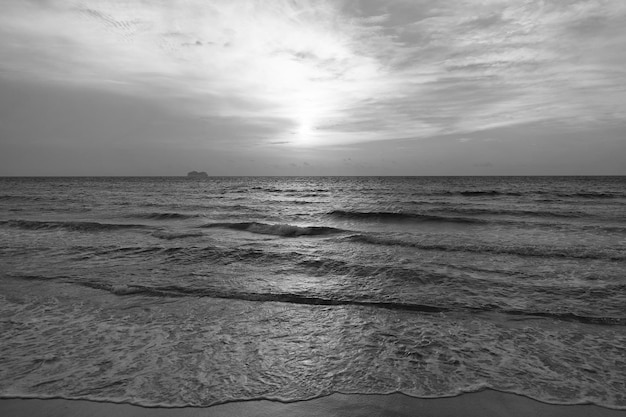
(311,299)
(285,230)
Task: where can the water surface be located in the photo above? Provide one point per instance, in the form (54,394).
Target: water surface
(175,291)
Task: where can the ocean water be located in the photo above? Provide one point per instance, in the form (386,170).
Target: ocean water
(192,292)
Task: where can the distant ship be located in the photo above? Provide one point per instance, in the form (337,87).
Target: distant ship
(196,174)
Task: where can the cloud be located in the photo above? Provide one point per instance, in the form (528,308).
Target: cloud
(315,73)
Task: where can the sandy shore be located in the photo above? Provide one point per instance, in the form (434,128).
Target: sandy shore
(483,404)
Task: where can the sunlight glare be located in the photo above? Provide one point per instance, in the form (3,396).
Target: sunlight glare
(305,131)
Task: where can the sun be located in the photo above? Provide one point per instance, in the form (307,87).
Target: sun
(307,118)
(305,130)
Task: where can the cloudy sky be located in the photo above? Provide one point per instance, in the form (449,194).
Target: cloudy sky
(296,87)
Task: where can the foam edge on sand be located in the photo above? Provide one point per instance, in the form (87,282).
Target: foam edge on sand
(487,403)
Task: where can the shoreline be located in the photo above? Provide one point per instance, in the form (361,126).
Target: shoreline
(486,403)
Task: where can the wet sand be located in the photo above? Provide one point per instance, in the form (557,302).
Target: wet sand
(482,404)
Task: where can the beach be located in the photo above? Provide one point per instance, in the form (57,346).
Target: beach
(487,403)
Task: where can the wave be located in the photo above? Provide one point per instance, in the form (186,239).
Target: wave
(538,251)
(285,230)
(173,235)
(10,197)
(497,193)
(306,195)
(164,216)
(487,193)
(293,298)
(293,191)
(600,195)
(519,213)
(70,225)
(32,277)
(308,299)
(324,266)
(177,291)
(601,320)
(472,193)
(292,262)
(182,255)
(611,229)
(453,216)
(401,216)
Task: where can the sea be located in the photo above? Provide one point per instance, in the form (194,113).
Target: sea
(174,291)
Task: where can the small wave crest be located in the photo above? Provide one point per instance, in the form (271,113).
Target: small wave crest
(11,197)
(501,193)
(537,251)
(401,216)
(591,195)
(164,216)
(284,230)
(173,235)
(513,212)
(489,193)
(70,225)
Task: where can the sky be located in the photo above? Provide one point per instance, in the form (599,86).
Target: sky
(298,87)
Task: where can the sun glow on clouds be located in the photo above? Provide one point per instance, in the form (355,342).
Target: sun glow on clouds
(293,61)
(331,72)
